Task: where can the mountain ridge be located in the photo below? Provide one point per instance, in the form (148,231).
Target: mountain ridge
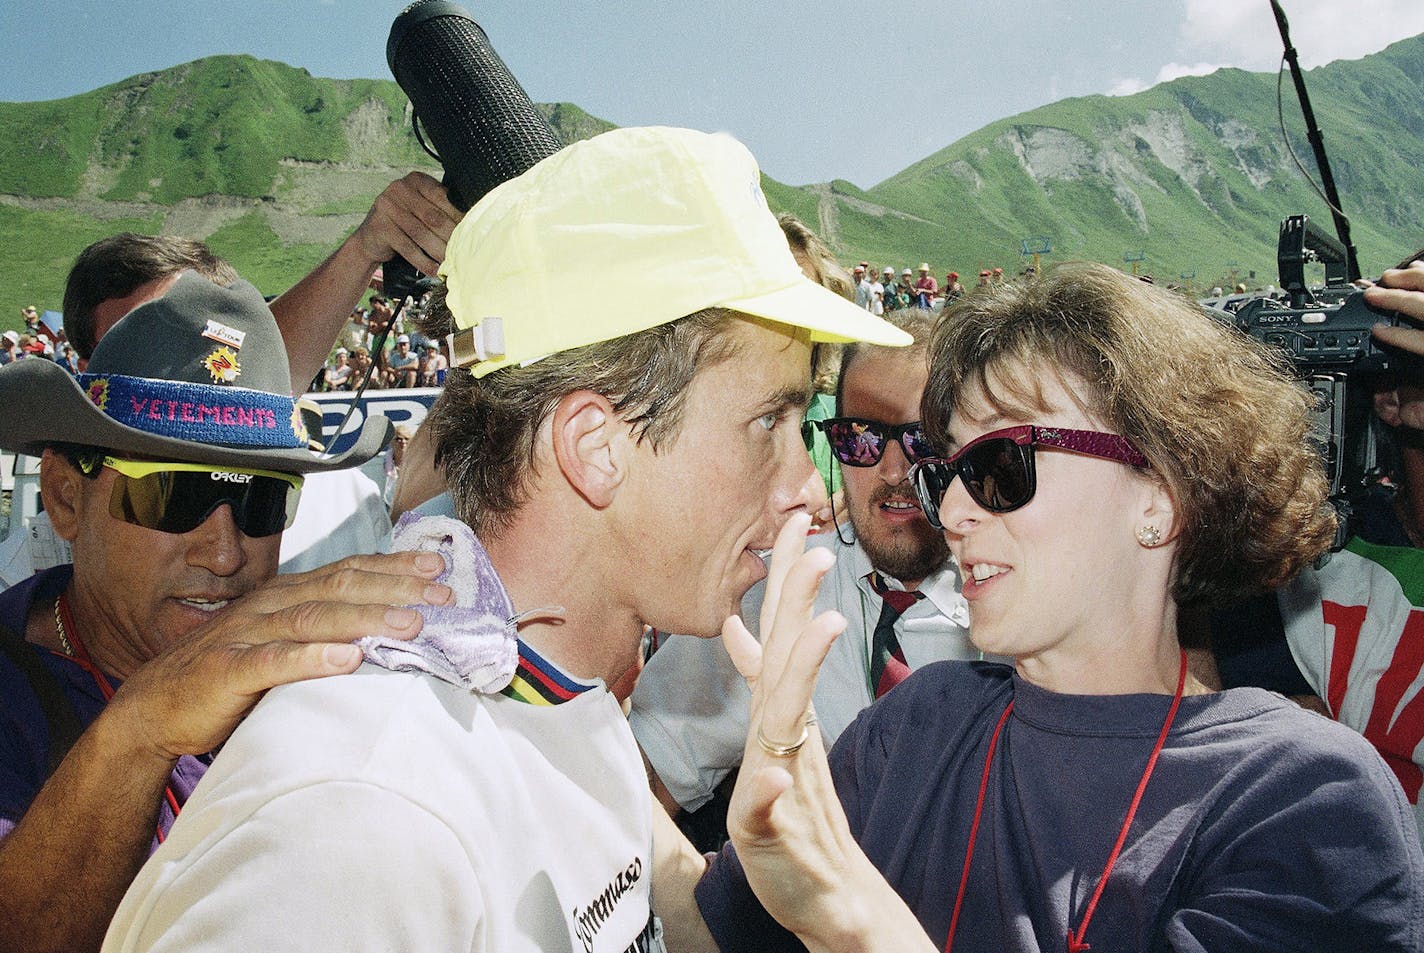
(273,166)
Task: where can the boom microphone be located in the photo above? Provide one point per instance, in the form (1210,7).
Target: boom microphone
(481,123)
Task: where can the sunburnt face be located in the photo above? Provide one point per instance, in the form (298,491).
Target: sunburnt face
(710,501)
(154,589)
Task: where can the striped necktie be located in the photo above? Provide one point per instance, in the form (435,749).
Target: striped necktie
(887,660)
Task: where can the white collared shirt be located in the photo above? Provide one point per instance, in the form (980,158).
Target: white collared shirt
(690,707)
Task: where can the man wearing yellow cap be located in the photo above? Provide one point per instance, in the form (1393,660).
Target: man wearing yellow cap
(621,467)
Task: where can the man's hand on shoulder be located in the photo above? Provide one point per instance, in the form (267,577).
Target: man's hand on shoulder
(190,698)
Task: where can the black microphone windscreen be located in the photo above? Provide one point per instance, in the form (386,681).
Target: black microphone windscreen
(472,109)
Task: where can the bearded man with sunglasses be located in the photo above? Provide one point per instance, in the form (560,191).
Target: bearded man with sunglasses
(892,582)
(172,466)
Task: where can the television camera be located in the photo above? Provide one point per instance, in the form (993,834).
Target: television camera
(1325,334)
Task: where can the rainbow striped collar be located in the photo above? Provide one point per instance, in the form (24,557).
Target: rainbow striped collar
(537,681)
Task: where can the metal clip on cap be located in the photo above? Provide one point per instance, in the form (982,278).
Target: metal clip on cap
(482,342)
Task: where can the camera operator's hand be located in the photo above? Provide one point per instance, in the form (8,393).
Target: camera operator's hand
(1402,290)
(1401,407)
(412,217)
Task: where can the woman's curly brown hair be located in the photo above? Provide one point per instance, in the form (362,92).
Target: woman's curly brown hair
(1217,414)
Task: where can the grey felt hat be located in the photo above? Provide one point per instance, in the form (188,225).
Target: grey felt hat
(199,375)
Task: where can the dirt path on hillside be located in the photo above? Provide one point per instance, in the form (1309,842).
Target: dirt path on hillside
(826,224)
(828,217)
(200,218)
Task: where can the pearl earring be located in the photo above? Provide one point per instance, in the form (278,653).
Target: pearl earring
(1150,537)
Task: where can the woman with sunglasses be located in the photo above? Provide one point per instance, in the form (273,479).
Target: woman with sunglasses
(1114,457)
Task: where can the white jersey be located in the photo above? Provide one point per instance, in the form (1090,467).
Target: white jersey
(340,513)
(690,705)
(393,811)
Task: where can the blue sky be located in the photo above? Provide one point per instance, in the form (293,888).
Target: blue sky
(817,90)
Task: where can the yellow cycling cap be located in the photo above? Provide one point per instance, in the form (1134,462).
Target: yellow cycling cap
(623,232)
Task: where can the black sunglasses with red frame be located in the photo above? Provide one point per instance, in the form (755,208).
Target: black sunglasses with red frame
(998,468)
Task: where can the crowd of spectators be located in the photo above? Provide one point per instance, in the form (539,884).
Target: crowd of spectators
(38,340)
(881,290)
(407,358)
(377,334)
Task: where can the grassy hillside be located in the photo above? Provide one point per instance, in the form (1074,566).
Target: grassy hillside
(269,165)
(218,126)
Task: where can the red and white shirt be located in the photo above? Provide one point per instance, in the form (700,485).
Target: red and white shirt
(1356,630)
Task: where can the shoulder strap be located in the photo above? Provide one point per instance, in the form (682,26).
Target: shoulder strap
(61,719)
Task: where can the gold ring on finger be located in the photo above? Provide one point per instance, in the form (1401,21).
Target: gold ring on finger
(781,751)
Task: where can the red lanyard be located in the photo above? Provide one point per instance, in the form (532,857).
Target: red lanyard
(82,659)
(1075,943)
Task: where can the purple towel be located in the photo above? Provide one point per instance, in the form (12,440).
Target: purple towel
(472,643)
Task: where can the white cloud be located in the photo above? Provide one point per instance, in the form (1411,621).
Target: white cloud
(1177,70)
(1244,34)
(1126,87)
(1320,30)
(1130,85)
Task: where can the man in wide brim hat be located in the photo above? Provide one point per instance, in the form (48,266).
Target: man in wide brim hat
(172,467)
(199,375)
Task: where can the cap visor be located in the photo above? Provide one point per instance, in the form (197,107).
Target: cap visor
(827,315)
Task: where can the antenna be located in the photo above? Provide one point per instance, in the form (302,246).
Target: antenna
(1317,145)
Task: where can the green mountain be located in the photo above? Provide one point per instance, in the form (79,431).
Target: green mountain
(1194,174)
(273,167)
